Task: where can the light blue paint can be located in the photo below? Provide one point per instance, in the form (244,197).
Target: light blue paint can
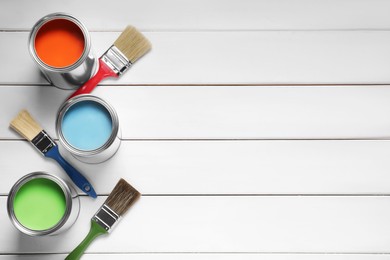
(88,127)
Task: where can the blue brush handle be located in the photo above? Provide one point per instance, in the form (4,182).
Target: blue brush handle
(74,174)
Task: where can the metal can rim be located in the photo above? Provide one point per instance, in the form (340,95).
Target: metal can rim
(50,17)
(23,180)
(87,97)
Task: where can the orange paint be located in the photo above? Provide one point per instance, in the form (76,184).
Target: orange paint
(59,43)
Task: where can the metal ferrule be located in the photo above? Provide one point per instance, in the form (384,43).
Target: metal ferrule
(43,142)
(116,60)
(106,217)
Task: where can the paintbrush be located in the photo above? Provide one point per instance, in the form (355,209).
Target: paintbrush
(127,49)
(27,127)
(117,203)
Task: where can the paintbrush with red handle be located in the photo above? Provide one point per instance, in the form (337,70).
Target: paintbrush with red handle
(127,49)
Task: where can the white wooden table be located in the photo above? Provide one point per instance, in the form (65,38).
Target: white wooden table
(255,129)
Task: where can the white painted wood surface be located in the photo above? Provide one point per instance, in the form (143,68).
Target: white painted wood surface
(230,224)
(226,167)
(222,112)
(239,57)
(235,129)
(206,14)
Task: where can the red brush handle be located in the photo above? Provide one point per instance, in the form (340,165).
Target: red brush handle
(103,72)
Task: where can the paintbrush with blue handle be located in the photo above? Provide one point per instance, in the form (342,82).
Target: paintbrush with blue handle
(27,127)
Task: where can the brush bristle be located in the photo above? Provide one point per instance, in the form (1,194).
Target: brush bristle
(25,125)
(122,197)
(132,44)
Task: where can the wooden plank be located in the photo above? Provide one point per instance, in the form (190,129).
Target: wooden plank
(206,14)
(226,224)
(223,167)
(214,112)
(279,57)
(197,256)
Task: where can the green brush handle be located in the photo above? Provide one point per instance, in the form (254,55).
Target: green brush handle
(95,231)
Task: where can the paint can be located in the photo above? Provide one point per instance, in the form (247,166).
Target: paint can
(88,128)
(61,47)
(41,204)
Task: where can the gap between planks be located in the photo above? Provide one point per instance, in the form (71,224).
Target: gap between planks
(351,195)
(214,85)
(203,253)
(224,140)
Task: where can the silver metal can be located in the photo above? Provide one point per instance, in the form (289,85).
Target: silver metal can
(71,76)
(98,154)
(72,205)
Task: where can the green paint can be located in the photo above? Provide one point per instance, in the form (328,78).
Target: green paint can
(42,204)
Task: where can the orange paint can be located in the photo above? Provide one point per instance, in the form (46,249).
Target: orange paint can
(61,47)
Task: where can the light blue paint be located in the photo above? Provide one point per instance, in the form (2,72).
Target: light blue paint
(87,125)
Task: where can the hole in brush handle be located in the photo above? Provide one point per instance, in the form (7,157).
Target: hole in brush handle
(78,179)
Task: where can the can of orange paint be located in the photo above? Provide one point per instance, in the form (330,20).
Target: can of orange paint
(61,47)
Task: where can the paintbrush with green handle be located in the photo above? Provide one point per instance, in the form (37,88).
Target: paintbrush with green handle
(120,200)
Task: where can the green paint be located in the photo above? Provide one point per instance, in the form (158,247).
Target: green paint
(39,204)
